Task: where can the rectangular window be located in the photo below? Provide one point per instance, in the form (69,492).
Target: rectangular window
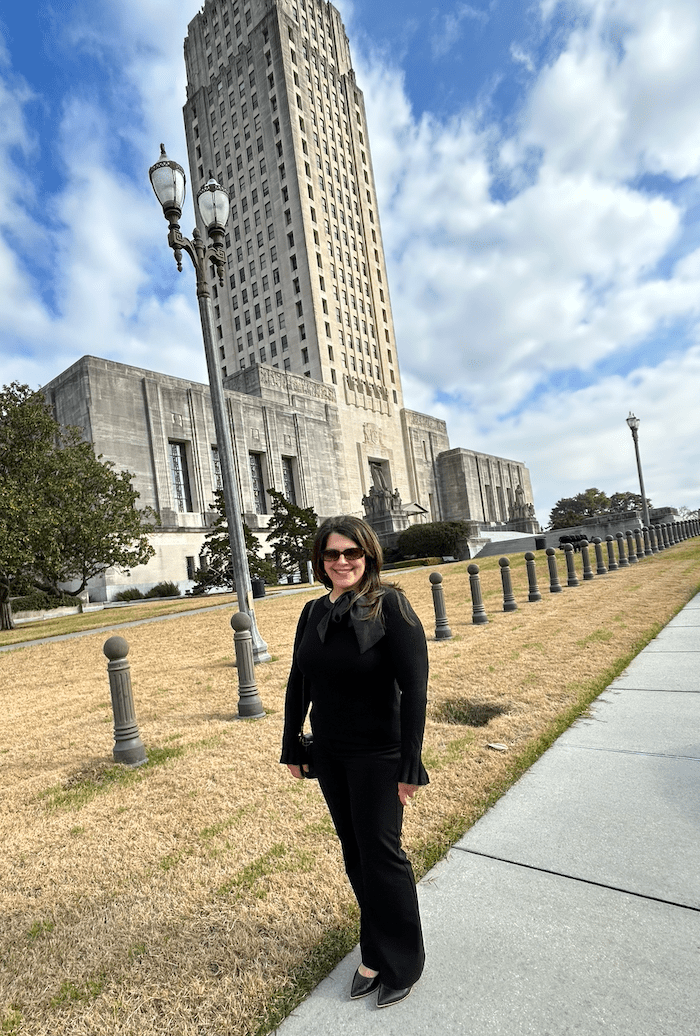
(256,476)
(288,479)
(179,477)
(216,479)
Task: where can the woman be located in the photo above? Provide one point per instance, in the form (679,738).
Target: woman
(361,661)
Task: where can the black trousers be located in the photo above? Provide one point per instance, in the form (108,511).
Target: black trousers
(361,790)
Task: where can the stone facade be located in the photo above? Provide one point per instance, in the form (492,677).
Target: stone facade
(287,435)
(274,111)
(490,490)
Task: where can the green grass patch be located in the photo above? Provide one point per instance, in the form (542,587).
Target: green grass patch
(601,636)
(259,868)
(439,758)
(10,1022)
(82,787)
(71,993)
(40,928)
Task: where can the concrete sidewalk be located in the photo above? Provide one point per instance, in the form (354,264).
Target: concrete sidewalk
(573,906)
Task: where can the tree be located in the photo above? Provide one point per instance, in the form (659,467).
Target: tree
(621,502)
(67,516)
(215,569)
(291,533)
(434,539)
(573,510)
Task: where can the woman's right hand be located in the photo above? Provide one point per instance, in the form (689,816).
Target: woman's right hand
(296,771)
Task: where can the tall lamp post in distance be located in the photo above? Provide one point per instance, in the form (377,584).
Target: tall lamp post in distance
(168,181)
(633,423)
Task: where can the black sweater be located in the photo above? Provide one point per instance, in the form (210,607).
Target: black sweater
(365,692)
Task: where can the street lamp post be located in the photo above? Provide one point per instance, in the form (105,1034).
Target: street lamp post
(168,181)
(633,423)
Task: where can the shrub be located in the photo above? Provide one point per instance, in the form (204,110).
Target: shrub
(132,594)
(412,563)
(164,589)
(38,601)
(444,539)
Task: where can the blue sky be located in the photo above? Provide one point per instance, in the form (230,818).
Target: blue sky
(538,166)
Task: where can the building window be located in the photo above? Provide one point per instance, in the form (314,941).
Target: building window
(305,356)
(216,479)
(288,479)
(179,477)
(256,475)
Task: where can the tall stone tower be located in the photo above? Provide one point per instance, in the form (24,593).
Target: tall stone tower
(274,112)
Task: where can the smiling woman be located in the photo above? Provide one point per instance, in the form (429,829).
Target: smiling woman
(360,660)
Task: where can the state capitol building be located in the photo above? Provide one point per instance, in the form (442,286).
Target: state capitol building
(303,327)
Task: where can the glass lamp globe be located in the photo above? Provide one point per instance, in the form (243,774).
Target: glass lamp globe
(168,181)
(213,203)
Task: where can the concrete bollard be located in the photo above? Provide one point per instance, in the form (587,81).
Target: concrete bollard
(588,572)
(571,579)
(249,704)
(610,544)
(555,586)
(639,544)
(659,533)
(509,602)
(600,570)
(442,629)
(479,615)
(534,590)
(652,540)
(647,542)
(623,562)
(128,746)
(631,552)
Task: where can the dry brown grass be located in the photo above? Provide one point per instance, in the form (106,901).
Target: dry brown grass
(185,896)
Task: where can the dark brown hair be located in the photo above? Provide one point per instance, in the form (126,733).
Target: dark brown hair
(371,586)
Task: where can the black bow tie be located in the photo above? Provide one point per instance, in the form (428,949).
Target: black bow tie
(367,631)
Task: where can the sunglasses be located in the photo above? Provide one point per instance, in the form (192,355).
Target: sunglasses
(351,554)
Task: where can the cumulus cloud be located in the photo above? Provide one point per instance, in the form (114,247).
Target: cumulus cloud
(518,256)
(111,287)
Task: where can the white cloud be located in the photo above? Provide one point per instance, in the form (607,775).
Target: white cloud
(110,264)
(515,258)
(451,27)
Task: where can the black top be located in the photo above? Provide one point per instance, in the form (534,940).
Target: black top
(366,680)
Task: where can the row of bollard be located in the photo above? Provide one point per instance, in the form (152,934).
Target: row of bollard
(128,747)
(632,547)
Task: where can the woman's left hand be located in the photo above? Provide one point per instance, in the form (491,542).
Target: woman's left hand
(406,792)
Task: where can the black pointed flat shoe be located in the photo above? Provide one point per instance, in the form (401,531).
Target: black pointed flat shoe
(388,997)
(362,986)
